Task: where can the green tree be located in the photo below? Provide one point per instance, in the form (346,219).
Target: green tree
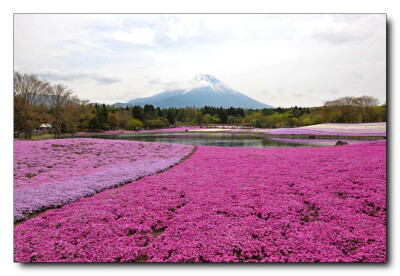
(199,120)
(215,119)
(59,96)
(208,119)
(190,114)
(267,111)
(103,118)
(181,115)
(148,112)
(365,105)
(382,114)
(30,96)
(75,114)
(158,122)
(93,123)
(124,117)
(170,118)
(137,112)
(113,121)
(233,120)
(135,124)
(99,120)
(222,115)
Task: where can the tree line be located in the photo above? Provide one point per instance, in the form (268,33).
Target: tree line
(37,101)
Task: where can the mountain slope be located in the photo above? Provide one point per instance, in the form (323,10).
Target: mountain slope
(202,90)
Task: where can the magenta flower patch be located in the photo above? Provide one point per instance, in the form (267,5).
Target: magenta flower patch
(228,205)
(366,129)
(174,129)
(47,161)
(318,142)
(82,168)
(56,194)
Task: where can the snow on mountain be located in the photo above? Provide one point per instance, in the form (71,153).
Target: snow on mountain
(204,80)
(201,90)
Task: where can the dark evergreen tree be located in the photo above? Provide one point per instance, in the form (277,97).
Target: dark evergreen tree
(267,112)
(241,112)
(170,117)
(158,112)
(103,117)
(149,112)
(222,115)
(93,122)
(137,112)
(231,111)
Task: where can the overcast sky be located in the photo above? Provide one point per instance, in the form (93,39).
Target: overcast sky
(280,60)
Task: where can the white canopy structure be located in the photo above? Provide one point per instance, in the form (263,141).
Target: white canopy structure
(45,126)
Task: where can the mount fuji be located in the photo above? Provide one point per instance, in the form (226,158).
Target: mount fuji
(201,90)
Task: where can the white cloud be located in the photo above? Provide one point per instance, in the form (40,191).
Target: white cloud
(298,53)
(144,36)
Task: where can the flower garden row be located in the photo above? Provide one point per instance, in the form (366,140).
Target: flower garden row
(366,129)
(361,129)
(316,142)
(47,161)
(40,186)
(52,195)
(228,205)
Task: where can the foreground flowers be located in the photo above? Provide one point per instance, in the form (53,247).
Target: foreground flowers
(49,174)
(228,204)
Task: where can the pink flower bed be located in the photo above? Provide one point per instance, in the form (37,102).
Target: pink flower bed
(119,131)
(228,205)
(46,161)
(317,142)
(72,177)
(367,129)
(105,132)
(175,129)
(172,129)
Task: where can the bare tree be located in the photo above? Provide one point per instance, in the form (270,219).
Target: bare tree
(29,102)
(350,109)
(75,112)
(58,97)
(365,105)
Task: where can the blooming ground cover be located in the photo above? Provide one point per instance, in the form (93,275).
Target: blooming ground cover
(49,174)
(174,129)
(366,129)
(318,142)
(228,204)
(361,129)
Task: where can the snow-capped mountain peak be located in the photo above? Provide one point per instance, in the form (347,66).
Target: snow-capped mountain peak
(201,90)
(206,80)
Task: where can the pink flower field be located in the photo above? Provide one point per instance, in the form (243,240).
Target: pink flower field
(365,129)
(46,161)
(174,129)
(49,174)
(324,204)
(320,142)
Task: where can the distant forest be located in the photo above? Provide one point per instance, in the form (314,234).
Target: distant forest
(37,102)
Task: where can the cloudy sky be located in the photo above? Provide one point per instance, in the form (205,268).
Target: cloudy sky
(280,60)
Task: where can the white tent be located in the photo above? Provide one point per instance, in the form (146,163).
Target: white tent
(45,126)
